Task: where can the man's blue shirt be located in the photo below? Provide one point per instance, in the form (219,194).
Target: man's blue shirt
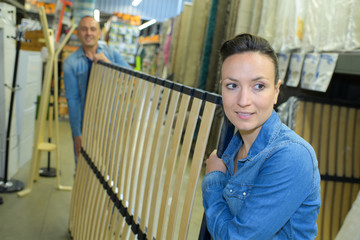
(275,193)
(76,74)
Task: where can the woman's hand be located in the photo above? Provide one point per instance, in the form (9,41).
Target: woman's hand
(213,163)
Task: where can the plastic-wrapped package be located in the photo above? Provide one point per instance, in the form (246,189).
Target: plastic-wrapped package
(294,25)
(311,29)
(284,59)
(244,16)
(295,68)
(267,24)
(325,70)
(280,22)
(287,112)
(353,30)
(308,75)
(333,24)
(255,17)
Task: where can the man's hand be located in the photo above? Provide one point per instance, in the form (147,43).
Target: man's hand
(77,142)
(213,163)
(100,57)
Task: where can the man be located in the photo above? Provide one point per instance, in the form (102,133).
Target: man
(76,73)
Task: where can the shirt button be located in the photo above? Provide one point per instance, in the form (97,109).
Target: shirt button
(231,190)
(244,193)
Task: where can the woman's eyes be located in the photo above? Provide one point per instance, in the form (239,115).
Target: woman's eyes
(231,85)
(259,86)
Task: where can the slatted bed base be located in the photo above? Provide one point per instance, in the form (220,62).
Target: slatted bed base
(143,145)
(334,132)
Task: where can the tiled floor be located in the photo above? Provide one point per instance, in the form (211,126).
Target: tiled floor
(44,213)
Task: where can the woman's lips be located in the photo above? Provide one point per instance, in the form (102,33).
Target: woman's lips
(244,115)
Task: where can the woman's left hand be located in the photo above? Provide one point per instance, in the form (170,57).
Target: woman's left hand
(213,163)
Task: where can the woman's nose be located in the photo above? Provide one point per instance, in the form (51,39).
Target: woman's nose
(244,97)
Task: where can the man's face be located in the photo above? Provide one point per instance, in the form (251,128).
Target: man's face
(88,32)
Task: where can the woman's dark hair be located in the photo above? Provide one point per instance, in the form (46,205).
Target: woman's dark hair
(249,43)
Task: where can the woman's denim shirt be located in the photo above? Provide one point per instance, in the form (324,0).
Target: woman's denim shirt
(76,74)
(275,193)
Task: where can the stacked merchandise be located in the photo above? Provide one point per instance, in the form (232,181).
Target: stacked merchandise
(306,29)
(148,53)
(124,37)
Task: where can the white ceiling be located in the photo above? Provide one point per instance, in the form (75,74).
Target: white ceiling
(147,9)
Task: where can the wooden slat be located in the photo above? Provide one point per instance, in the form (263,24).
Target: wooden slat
(173,155)
(155,199)
(109,208)
(350,143)
(96,195)
(144,159)
(100,211)
(349,162)
(93,192)
(197,161)
(336,208)
(189,133)
(132,147)
(153,161)
(327,208)
(341,145)
(76,186)
(324,140)
(320,221)
(140,148)
(334,121)
(316,128)
(340,162)
(346,201)
(128,109)
(127,84)
(299,121)
(308,121)
(90,110)
(356,168)
(120,95)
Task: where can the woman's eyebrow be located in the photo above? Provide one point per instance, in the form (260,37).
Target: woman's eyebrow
(254,79)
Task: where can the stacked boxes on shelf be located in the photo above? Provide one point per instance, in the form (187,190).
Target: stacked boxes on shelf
(124,37)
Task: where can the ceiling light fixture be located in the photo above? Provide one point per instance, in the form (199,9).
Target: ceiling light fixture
(147,24)
(135,3)
(97,15)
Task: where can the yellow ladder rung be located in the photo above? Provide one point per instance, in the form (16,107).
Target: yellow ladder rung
(44,146)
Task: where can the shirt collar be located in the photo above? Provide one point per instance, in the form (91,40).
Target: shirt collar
(267,134)
(99,48)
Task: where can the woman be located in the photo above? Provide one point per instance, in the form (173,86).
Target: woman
(267,184)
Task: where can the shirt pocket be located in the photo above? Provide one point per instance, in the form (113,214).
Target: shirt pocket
(236,195)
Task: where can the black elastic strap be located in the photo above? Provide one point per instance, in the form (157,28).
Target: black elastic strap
(135,227)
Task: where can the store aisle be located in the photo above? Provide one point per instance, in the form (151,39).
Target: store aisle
(44,213)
